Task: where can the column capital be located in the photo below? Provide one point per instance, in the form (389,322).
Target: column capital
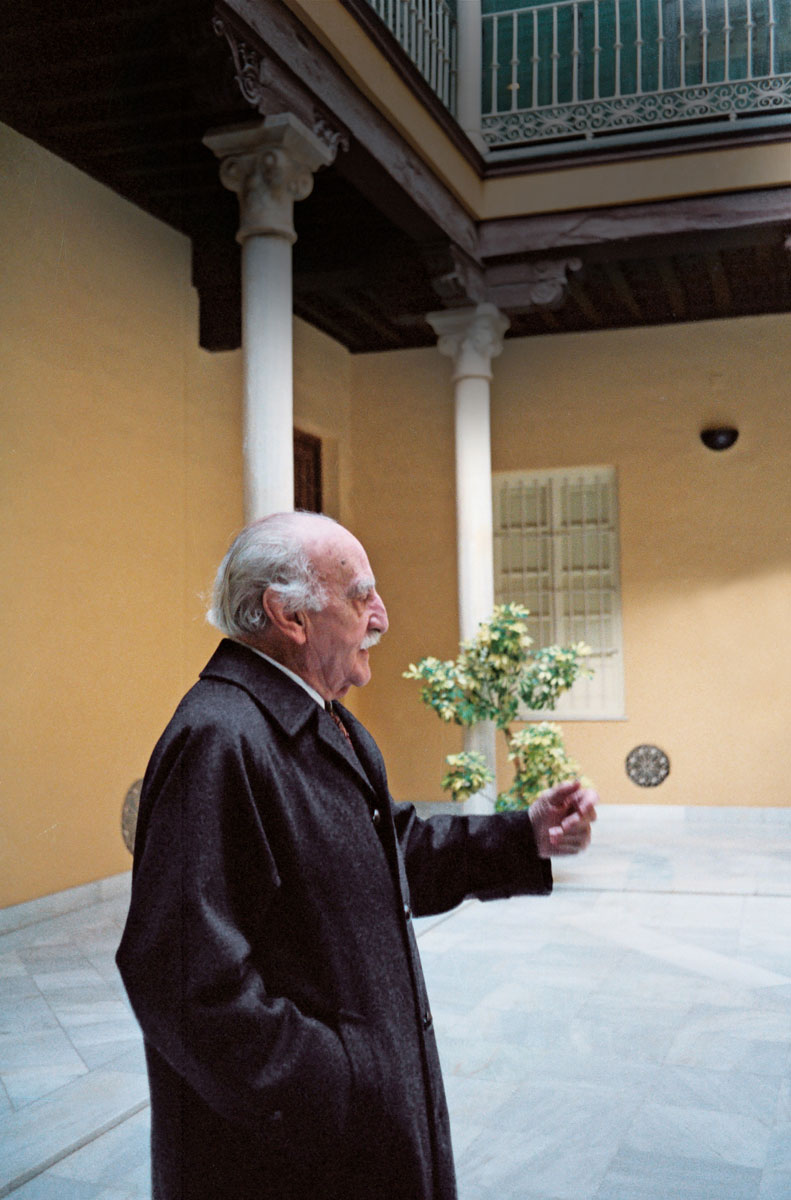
(270,165)
(472,337)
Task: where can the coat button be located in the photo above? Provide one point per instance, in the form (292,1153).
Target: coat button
(407,911)
(428,1020)
(376,817)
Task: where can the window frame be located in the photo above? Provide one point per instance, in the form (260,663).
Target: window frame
(587,700)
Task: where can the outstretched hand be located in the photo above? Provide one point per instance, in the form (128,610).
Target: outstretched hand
(562,817)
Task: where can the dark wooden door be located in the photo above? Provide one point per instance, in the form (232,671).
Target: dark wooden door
(307,471)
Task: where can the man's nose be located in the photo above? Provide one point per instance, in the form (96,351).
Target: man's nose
(379,614)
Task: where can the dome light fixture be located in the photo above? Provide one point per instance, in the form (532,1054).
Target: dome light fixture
(719,437)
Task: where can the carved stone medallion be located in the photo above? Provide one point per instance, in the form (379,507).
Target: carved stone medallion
(647,766)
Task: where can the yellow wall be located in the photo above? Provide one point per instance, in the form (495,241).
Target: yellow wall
(404,503)
(705,543)
(121,488)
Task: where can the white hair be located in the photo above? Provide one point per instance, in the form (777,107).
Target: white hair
(270,553)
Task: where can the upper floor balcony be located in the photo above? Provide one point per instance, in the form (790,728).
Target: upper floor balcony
(541,77)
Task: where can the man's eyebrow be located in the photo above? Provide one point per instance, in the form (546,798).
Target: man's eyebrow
(361,587)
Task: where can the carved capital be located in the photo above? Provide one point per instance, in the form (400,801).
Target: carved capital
(252,70)
(529,285)
(472,337)
(269,165)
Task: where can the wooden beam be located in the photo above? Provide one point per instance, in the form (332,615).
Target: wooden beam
(579,296)
(314,310)
(622,289)
(362,305)
(719,284)
(634,227)
(521,286)
(549,319)
(673,287)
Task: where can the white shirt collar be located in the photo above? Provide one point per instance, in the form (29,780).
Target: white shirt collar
(291,674)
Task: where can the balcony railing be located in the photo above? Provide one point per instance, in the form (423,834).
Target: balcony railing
(563,75)
(426,30)
(596,69)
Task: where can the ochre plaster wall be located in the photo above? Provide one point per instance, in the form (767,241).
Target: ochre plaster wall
(705,544)
(121,488)
(404,506)
(120,479)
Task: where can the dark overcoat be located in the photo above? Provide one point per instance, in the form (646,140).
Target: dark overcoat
(269,952)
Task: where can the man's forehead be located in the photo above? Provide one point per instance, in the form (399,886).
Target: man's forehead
(338,555)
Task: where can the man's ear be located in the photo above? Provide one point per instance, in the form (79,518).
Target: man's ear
(289,624)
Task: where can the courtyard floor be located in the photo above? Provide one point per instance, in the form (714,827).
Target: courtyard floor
(627,1038)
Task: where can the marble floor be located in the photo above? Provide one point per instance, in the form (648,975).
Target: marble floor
(627,1038)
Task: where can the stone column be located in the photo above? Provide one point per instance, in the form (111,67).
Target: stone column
(469,70)
(471,337)
(269,165)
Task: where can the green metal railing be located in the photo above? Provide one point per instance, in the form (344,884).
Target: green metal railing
(426,30)
(593,69)
(561,75)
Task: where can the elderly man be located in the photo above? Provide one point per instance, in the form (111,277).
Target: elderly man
(269,951)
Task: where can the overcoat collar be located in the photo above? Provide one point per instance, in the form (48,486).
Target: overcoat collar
(290,706)
(285,701)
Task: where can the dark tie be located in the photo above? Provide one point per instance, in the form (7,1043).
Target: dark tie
(331,710)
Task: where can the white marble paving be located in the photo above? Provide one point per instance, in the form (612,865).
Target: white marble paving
(119,1159)
(654,1175)
(754,1096)
(660,1008)
(38,1134)
(628,1038)
(670,949)
(687,1131)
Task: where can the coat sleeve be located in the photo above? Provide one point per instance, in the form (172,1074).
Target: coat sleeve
(448,859)
(204,878)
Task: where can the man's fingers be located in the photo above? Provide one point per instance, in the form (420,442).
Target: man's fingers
(574,819)
(562,842)
(587,802)
(562,817)
(562,791)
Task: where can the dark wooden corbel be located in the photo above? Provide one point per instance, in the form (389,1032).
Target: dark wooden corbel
(524,286)
(455,276)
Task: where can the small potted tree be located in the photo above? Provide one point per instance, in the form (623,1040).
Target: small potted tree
(494,678)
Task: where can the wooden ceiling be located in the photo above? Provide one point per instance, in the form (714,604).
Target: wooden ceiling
(127,94)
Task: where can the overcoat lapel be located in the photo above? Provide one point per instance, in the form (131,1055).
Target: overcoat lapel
(333,742)
(291,706)
(367,752)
